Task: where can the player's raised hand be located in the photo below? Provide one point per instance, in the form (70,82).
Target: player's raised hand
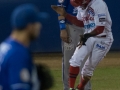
(64,36)
(59,10)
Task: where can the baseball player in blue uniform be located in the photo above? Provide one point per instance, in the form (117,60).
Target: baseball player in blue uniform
(70,35)
(17,71)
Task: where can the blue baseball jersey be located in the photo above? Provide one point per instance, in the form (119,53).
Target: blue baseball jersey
(69,9)
(15,66)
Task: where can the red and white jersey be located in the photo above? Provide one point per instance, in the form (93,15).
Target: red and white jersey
(96,14)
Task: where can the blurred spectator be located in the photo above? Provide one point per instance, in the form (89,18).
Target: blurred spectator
(17,71)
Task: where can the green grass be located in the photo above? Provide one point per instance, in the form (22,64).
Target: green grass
(105,78)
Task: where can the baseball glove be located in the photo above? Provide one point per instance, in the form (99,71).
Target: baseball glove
(83,39)
(45,77)
(59,10)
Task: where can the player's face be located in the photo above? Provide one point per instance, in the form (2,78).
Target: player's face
(34,30)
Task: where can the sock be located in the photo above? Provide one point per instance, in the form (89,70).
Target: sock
(73,73)
(82,84)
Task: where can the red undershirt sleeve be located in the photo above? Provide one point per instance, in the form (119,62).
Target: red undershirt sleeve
(98,30)
(74,20)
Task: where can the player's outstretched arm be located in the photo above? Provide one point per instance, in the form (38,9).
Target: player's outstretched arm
(63,33)
(74,20)
(62,22)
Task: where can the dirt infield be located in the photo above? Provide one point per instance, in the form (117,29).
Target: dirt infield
(54,60)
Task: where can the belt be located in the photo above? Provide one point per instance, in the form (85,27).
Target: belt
(101,36)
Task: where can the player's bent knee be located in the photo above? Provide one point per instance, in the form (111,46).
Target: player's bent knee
(74,63)
(87,78)
(87,72)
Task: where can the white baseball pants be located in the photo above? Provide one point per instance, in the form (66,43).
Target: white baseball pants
(96,48)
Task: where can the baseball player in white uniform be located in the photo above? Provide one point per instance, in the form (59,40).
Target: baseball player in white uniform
(95,42)
(69,34)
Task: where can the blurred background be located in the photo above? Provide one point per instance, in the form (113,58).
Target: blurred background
(48,45)
(49,40)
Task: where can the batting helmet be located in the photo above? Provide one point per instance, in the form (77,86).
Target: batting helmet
(77,3)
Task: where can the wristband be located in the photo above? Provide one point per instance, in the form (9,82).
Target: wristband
(62,24)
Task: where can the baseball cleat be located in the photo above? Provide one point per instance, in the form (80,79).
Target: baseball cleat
(71,89)
(78,88)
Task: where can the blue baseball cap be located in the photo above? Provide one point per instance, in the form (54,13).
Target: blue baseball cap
(25,14)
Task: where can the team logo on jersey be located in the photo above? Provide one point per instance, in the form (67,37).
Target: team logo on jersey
(61,1)
(101,15)
(100,47)
(88,26)
(91,11)
(102,20)
(90,15)
(24,75)
(88,18)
